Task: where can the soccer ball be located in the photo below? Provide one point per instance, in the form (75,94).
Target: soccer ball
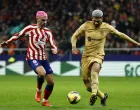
(73,97)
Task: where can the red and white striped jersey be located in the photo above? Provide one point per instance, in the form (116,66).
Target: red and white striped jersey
(38,37)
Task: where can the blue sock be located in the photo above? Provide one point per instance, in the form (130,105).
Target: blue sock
(49,87)
(40,81)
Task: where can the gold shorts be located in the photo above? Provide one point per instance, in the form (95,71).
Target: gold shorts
(86,65)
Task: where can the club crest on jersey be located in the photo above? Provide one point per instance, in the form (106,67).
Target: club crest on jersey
(40,41)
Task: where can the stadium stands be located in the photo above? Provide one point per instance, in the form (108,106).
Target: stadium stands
(65,16)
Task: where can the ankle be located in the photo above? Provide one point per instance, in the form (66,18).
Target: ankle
(39,90)
(44,100)
(93,93)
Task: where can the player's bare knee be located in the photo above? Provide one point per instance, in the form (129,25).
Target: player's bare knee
(40,71)
(95,67)
(49,79)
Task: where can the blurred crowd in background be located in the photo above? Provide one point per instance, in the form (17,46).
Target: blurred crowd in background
(65,16)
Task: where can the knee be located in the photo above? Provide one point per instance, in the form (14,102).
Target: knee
(95,67)
(40,71)
(50,82)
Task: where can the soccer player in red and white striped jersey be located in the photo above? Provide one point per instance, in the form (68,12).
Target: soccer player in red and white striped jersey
(39,36)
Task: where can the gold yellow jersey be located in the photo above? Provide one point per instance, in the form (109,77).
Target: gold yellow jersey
(94,38)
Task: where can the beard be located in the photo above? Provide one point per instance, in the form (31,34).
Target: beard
(43,25)
(97,23)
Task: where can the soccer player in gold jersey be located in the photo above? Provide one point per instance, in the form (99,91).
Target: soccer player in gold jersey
(95,33)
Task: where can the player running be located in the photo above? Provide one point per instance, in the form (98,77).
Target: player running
(95,33)
(39,36)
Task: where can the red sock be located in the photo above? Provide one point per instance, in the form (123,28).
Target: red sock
(47,93)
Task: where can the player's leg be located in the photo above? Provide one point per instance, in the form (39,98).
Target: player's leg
(48,90)
(40,76)
(50,84)
(36,66)
(95,69)
(87,83)
(100,94)
(86,74)
(40,80)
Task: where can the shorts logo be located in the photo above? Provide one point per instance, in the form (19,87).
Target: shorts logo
(50,70)
(35,62)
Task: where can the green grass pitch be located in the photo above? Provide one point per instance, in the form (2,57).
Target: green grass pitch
(17,93)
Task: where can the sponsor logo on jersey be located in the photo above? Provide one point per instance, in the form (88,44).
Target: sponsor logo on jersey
(92,39)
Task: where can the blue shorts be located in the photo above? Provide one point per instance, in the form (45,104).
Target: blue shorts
(35,63)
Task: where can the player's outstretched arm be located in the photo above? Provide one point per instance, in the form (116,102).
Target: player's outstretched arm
(3,44)
(122,35)
(12,39)
(125,37)
(16,36)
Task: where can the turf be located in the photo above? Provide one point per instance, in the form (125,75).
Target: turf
(17,93)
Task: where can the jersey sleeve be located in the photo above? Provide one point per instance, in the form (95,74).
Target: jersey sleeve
(113,30)
(13,38)
(77,33)
(121,35)
(81,29)
(51,40)
(20,34)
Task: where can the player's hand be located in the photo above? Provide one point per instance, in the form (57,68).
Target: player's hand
(54,51)
(3,44)
(75,50)
(138,44)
